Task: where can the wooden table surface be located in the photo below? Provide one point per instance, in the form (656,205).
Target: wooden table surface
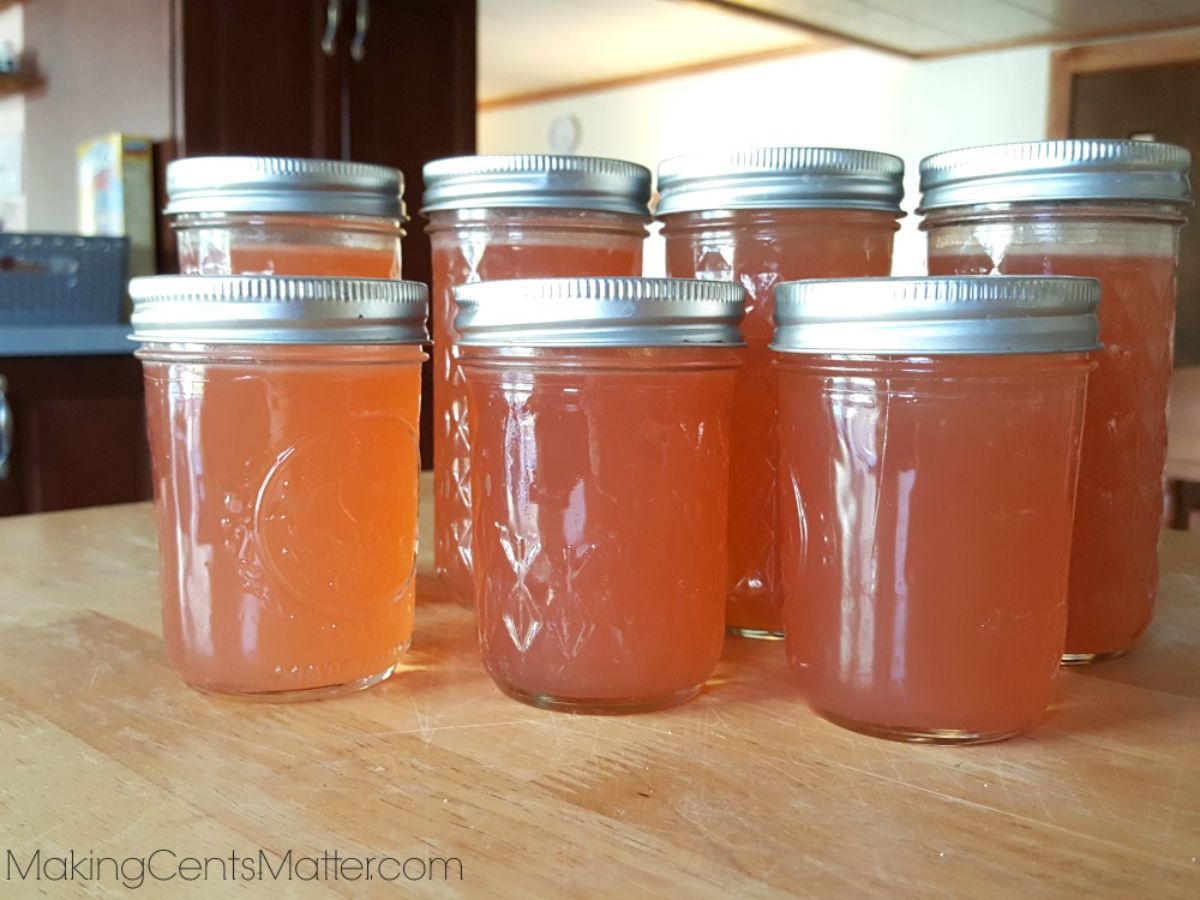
(741,792)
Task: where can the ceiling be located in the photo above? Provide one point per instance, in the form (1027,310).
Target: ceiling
(527,47)
(534,49)
(934,27)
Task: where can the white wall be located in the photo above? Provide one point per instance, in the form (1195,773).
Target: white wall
(848,97)
(106,65)
(12,128)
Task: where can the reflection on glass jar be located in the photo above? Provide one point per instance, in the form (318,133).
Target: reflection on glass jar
(929,436)
(498,217)
(759,217)
(599,485)
(285,460)
(1109,210)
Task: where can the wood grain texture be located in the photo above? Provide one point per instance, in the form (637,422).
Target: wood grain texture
(1115,56)
(741,792)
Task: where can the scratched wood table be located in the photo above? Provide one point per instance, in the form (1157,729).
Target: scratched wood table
(741,792)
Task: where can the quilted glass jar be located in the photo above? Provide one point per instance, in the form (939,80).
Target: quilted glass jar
(498,217)
(283,418)
(758,217)
(599,484)
(1109,210)
(929,438)
(266,215)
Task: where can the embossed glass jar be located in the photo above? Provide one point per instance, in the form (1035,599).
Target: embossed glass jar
(758,217)
(283,416)
(929,441)
(266,215)
(1109,210)
(496,217)
(599,482)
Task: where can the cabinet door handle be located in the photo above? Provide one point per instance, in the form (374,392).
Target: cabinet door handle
(6,429)
(362,21)
(333,15)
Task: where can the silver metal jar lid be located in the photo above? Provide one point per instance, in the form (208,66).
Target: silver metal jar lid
(970,314)
(537,181)
(781,178)
(1055,170)
(276,310)
(600,312)
(270,184)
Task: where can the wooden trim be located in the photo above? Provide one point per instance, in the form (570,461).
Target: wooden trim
(1058,107)
(818,45)
(1065,37)
(778,18)
(1113,56)
(175,76)
(20,82)
(1135,54)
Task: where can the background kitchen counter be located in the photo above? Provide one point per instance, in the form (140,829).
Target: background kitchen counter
(64,340)
(741,792)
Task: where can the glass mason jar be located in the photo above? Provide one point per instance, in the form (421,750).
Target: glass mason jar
(929,438)
(1111,210)
(497,217)
(599,482)
(283,417)
(262,215)
(758,217)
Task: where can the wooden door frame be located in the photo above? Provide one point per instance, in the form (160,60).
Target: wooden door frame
(1140,53)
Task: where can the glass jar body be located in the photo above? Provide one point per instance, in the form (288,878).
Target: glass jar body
(1132,248)
(927,526)
(285,481)
(485,245)
(757,249)
(599,491)
(288,244)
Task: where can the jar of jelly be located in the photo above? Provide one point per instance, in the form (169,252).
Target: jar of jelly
(283,416)
(599,481)
(263,215)
(501,217)
(758,217)
(929,438)
(1111,210)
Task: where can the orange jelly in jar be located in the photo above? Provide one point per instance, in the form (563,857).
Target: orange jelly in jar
(599,483)
(283,417)
(264,215)
(759,217)
(504,217)
(929,437)
(1110,210)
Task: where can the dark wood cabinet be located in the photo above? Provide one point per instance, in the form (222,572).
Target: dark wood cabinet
(380,81)
(78,433)
(252,77)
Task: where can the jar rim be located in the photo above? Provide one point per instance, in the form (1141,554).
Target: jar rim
(628,311)
(278,310)
(1075,169)
(781,178)
(279,184)
(537,180)
(939,315)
